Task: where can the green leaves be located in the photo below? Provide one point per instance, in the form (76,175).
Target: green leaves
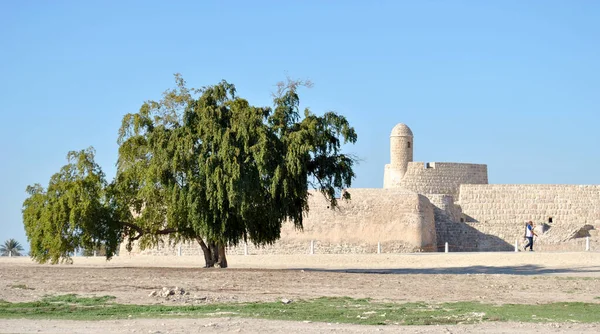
(72,213)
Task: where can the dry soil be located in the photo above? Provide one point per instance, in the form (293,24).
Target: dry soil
(488,277)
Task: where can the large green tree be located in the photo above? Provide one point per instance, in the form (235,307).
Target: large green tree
(200,164)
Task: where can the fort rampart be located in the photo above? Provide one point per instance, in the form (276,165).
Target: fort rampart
(442,177)
(397,220)
(560,212)
(423,206)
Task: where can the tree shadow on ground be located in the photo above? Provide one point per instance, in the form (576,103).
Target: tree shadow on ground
(471,270)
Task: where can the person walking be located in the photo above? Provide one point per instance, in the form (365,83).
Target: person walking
(529,233)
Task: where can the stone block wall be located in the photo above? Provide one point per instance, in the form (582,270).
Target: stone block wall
(446,214)
(460,236)
(399,220)
(562,213)
(485,218)
(442,177)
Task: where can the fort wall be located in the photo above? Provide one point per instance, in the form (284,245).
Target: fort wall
(399,220)
(442,177)
(562,213)
(425,205)
(446,215)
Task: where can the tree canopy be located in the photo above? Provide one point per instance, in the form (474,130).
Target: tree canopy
(200,164)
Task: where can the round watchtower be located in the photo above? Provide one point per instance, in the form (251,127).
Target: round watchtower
(401,147)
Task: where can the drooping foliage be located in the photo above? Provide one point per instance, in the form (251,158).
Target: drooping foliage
(72,213)
(200,164)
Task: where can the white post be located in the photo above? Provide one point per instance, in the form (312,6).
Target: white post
(378,247)
(587,244)
(9,253)
(245,248)
(179,250)
(312,247)
(446,249)
(94,253)
(517,246)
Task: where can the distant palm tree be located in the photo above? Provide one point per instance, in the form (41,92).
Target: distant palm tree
(11,247)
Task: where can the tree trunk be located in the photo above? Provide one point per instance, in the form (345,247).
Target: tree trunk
(222,259)
(208,258)
(213,254)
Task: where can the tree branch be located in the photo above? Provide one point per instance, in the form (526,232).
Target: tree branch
(134,227)
(141,231)
(167,231)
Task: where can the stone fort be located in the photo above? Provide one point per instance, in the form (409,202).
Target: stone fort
(425,205)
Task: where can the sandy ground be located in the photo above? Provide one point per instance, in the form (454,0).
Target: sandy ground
(487,277)
(236,325)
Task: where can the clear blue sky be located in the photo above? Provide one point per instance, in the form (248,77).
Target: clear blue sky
(511,84)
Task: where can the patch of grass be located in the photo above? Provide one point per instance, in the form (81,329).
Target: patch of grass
(20,286)
(76,300)
(343,310)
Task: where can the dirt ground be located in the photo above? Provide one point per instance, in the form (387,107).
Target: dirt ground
(432,277)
